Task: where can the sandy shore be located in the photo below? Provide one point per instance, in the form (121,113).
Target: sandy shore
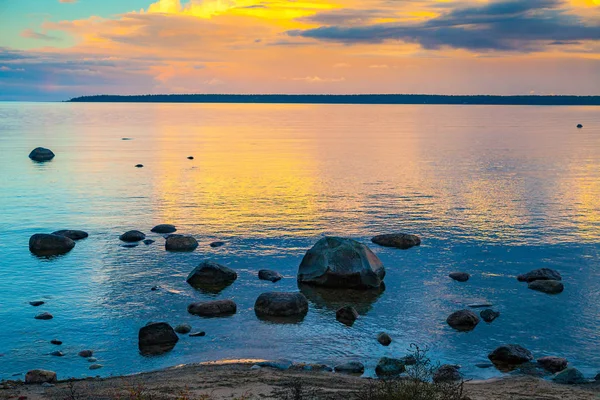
(238,381)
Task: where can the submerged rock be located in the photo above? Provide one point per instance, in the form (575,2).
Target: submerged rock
(281,365)
(479,305)
(459,276)
(280,304)
(37,303)
(40,376)
(346,315)
(579,126)
(86,353)
(447,373)
(384,339)
(198,334)
(190,157)
(489,315)
(510,355)
(139,165)
(217,244)
(341,263)
(268,275)
(553,364)
(353,367)
(211,276)
(44,316)
(43,244)
(72,234)
(56,342)
(164,228)
(96,366)
(180,243)
(41,154)
(148,242)
(389,367)
(569,376)
(57,353)
(463,320)
(541,274)
(157,338)
(215,308)
(398,240)
(183,328)
(548,286)
(132,236)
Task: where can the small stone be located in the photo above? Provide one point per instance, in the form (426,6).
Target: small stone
(198,334)
(190,158)
(56,342)
(384,339)
(92,359)
(547,286)
(463,320)
(479,305)
(132,236)
(86,353)
(57,353)
(139,166)
(37,303)
(553,364)
(217,244)
(164,228)
(353,367)
(346,315)
(96,366)
(41,154)
(569,376)
(180,243)
(216,308)
(155,288)
(540,274)
(398,240)
(183,328)
(459,276)
(484,365)
(44,316)
(489,315)
(281,365)
(148,242)
(268,275)
(579,126)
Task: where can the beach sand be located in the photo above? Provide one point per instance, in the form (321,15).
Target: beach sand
(238,381)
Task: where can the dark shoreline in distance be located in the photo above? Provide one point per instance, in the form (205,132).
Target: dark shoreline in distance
(525,100)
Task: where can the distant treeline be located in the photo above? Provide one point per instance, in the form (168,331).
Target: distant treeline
(347,99)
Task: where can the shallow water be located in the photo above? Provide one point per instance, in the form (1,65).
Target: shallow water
(495,191)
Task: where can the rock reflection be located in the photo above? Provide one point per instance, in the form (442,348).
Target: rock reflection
(333,299)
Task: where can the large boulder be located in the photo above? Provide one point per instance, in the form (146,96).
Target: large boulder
(279,304)
(268,275)
(447,373)
(157,338)
(215,308)
(164,228)
(553,364)
(346,315)
(341,263)
(43,244)
(211,276)
(569,376)
(132,236)
(71,234)
(542,274)
(40,376)
(180,243)
(389,367)
(548,286)
(398,240)
(510,355)
(463,320)
(41,154)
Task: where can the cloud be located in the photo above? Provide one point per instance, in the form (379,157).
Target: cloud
(31,34)
(514,25)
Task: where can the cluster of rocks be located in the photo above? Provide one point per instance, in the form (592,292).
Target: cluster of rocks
(544,280)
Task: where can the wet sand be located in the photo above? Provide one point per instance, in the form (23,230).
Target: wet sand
(238,381)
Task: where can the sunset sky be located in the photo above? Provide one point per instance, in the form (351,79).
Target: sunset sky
(57,49)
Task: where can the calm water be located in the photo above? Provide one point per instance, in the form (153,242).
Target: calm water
(494,191)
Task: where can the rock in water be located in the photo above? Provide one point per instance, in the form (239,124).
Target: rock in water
(139,165)
(459,276)
(71,234)
(463,320)
(157,338)
(489,315)
(36,303)
(190,157)
(86,353)
(148,242)
(550,287)
(268,275)
(541,274)
(510,355)
(281,365)
(44,316)
(183,328)
(353,367)
(96,366)
(180,243)
(569,376)
(279,304)
(341,263)
(384,339)
(398,240)
(198,334)
(447,373)
(217,244)
(132,236)
(389,367)
(40,376)
(217,308)
(579,126)
(57,353)
(553,364)
(41,154)
(164,228)
(56,342)
(211,276)
(42,244)
(346,315)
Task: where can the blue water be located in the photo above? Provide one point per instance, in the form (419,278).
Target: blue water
(494,191)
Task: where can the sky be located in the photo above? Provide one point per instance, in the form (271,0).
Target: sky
(58,49)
